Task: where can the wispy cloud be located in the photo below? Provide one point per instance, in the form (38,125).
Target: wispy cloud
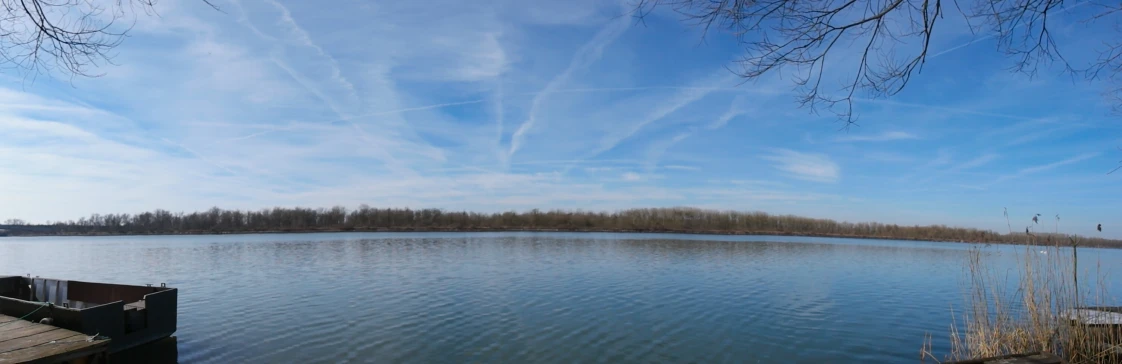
(756,182)
(887,157)
(500,120)
(1053,165)
(882,137)
(976,162)
(200,156)
(942,157)
(733,111)
(416,108)
(661,110)
(657,149)
(276,104)
(305,39)
(1023,172)
(579,161)
(805,166)
(990,35)
(585,56)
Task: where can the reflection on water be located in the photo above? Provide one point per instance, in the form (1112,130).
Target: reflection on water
(164,351)
(530,297)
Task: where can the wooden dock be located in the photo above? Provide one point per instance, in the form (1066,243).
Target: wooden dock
(1025,358)
(24,341)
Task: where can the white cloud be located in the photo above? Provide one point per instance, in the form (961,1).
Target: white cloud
(977,162)
(277,103)
(1039,168)
(805,166)
(304,39)
(656,149)
(887,157)
(733,111)
(1053,165)
(661,110)
(882,137)
(943,157)
(585,56)
(755,183)
(761,195)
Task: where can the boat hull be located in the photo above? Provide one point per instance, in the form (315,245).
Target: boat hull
(130,315)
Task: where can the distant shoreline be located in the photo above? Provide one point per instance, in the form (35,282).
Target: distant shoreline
(675,220)
(537,230)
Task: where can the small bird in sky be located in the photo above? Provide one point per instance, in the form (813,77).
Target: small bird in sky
(1100,228)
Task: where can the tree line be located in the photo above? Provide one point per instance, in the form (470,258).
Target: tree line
(365,218)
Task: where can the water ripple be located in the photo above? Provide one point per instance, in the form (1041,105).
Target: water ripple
(541,298)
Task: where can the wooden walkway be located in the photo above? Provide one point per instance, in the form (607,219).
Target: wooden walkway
(1026,358)
(23,341)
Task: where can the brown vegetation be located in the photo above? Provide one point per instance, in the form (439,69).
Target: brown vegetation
(1032,312)
(1033,308)
(679,220)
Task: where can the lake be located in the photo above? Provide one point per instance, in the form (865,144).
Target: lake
(535,297)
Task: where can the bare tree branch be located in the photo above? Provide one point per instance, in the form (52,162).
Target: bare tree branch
(69,36)
(1116,168)
(1109,63)
(892,38)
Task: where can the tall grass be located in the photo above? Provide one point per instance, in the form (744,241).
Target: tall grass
(1028,307)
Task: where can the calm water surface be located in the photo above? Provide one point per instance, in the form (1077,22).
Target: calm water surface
(534,297)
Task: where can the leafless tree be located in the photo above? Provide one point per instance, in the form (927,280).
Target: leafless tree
(69,36)
(1116,168)
(892,39)
(365,218)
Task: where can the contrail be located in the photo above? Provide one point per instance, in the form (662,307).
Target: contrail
(571,90)
(418,108)
(500,114)
(588,54)
(200,156)
(975,40)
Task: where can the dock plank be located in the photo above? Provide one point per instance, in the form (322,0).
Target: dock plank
(1094,316)
(14,325)
(1022,358)
(25,331)
(43,337)
(28,342)
(54,353)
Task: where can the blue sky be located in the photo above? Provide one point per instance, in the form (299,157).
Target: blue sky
(503,105)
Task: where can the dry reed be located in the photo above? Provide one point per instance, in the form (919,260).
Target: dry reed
(1028,308)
